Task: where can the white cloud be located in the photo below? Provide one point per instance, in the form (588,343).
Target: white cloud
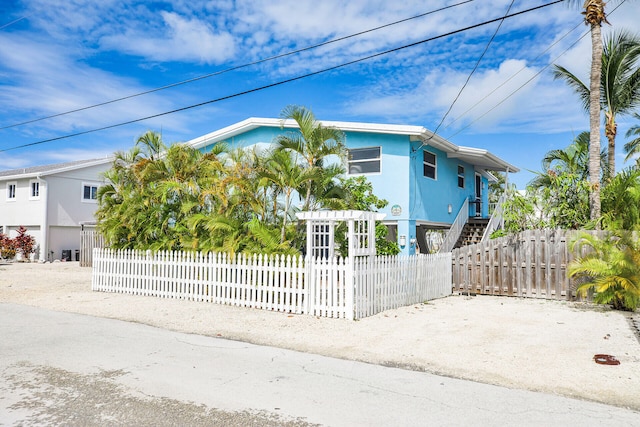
(72,53)
(50,83)
(509,98)
(180,39)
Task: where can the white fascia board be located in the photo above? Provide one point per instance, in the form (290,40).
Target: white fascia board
(483,158)
(233,130)
(417,133)
(486,174)
(56,171)
(429,138)
(76,167)
(256,122)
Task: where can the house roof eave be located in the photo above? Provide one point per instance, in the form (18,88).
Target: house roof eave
(48,170)
(483,159)
(477,157)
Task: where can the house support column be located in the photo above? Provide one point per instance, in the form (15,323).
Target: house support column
(406,235)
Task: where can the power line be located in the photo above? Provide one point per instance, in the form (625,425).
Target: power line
(237,67)
(516,73)
(289,80)
(472,72)
(520,87)
(529,80)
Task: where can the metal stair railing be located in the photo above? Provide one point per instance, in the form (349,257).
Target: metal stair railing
(456,228)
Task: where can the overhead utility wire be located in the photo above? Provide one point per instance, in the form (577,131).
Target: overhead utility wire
(237,67)
(471,73)
(516,73)
(289,80)
(520,87)
(531,79)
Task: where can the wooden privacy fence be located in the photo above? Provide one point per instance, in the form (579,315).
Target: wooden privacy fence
(530,264)
(89,239)
(324,287)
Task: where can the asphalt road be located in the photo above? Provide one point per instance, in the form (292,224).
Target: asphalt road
(68,369)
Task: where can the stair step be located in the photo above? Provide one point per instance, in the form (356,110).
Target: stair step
(472,232)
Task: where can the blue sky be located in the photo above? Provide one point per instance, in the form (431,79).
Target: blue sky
(61,55)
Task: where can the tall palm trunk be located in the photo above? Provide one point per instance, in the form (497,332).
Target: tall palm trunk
(610,131)
(594,15)
(594,120)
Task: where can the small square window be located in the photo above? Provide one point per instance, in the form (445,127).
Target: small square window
(89,192)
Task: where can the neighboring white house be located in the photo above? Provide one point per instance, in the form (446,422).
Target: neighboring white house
(52,202)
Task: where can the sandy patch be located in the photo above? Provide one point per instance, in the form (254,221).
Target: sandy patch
(520,343)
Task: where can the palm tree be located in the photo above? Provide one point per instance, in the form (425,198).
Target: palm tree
(611,269)
(313,143)
(287,176)
(621,201)
(632,147)
(594,16)
(572,160)
(151,143)
(620,84)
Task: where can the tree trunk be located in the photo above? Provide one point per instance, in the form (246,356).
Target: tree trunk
(594,122)
(610,131)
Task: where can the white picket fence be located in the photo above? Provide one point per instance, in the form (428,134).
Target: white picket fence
(324,287)
(387,282)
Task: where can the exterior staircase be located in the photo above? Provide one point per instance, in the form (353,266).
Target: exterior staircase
(472,232)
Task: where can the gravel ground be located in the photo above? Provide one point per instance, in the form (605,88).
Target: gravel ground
(531,344)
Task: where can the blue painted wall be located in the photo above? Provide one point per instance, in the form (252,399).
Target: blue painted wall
(412,196)
(391,183)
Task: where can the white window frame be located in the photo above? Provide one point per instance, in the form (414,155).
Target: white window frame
(434,165)
(91,185)
(371,159)
(31,187)
(461,176)
(11,195)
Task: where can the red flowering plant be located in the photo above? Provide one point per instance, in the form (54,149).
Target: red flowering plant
(7,247)
(24,242)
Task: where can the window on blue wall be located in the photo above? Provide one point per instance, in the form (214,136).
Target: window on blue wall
(429,164)
(460,176)
(363,160)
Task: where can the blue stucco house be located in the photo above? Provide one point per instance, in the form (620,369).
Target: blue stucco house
(427,180)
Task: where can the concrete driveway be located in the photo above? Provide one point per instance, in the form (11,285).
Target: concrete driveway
(68,369)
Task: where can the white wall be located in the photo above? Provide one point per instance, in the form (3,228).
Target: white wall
(66,204)
(23,210)
(60,207)
(63,238)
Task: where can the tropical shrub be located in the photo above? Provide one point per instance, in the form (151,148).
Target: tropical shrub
(7,247)
(358,195)
(621,201)
(24,243)
(610,269)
